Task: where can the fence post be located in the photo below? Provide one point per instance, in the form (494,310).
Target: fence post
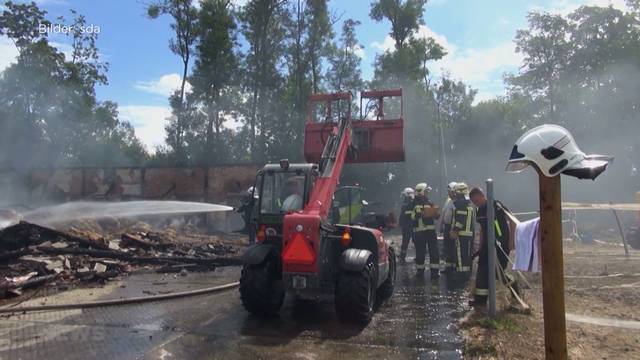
(491,247)
(555,335)
(624,238)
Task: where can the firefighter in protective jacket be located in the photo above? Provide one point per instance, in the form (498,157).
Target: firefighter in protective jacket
(462,229)
(424,231)
(406,221)
(502,230)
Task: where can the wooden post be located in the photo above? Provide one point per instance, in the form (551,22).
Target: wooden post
(491,246)
(555,334)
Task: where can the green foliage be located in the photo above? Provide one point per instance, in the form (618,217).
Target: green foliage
(582,71)
(479,350)
(319,38)
(215,76)
(344,72)
(185,26)
(262,27)
(48,111)
(501,323)
(405,17)
(254,66)
(21,23)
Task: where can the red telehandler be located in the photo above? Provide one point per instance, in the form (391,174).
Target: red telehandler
(302,248)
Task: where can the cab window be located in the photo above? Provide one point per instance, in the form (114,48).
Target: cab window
(282,192)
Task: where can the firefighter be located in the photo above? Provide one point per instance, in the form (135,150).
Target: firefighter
(246,209)
(445,228)
(501,225)
(424,231)
(461,228)
(406,222)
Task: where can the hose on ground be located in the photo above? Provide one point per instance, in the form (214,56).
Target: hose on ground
(116,302)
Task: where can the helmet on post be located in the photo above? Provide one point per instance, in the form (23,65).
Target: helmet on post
(552,150)
(422,188)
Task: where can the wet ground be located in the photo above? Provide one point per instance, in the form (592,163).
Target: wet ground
(418,322)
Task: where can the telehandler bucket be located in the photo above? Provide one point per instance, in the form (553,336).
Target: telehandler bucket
(375,139)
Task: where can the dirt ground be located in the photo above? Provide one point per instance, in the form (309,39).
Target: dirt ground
(599,283)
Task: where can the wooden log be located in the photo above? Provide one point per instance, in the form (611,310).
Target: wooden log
(555,334)
(10,255)
(34,281)
(26,234)
(135,240)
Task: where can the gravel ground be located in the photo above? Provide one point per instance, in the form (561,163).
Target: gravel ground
(600,283)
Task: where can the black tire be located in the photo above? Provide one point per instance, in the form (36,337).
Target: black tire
(356,294)
(386,289)
(261,288)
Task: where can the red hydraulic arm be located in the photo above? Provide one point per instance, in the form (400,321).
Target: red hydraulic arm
(316,211)
(336,134)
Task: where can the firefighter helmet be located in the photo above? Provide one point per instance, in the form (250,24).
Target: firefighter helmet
(461,188)
(252,191)
(408,192)
(451,186)
(422,188)
(552,150)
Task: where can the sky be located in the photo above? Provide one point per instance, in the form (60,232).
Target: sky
(477,35)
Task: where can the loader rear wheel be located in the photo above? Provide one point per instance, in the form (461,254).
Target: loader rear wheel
(261,287)
(356,294)
(386,289)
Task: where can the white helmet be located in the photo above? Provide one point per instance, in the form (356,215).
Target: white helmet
(408,192)
(421,188)
(552,149)
(451,186)
(252,190)
(461,188)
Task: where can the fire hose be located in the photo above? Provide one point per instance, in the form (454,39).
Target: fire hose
(117,302)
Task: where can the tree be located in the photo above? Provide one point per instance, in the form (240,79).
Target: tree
(48,111)
(405,17)
(214,75)
(262,28)
(319,38)
(407,61)
(546,49)
(185,26)
(344,63)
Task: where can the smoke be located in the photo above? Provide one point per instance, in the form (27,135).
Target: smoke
(478,148)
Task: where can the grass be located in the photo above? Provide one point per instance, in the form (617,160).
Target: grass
(501,323)
(478,349)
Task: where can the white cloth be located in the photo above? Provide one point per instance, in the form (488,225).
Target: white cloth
(292,202)
(447,213)
(527,246)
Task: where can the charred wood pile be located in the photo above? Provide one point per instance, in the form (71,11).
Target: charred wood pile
(33,256)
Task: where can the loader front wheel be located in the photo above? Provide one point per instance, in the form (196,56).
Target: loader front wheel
(356,294)
(262,288)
